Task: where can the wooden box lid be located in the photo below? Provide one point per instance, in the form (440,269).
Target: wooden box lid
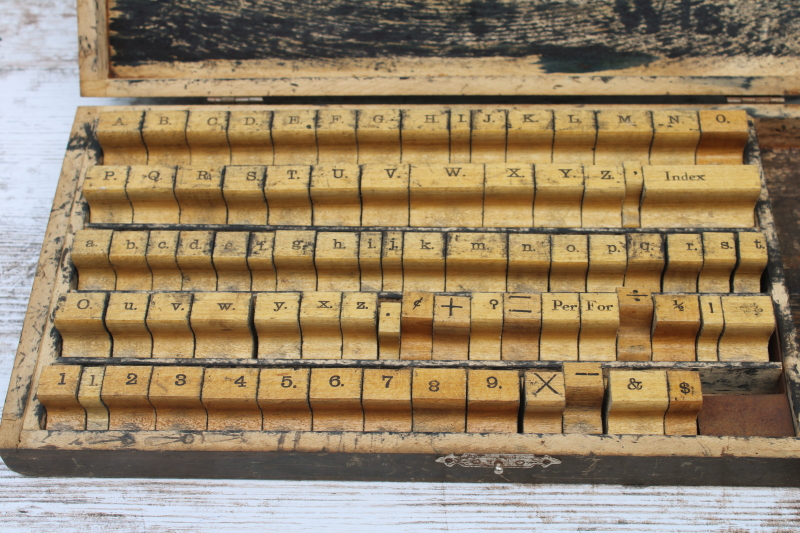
(438,47)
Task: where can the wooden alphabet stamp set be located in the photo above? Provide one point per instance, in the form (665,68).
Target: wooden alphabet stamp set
(402,291)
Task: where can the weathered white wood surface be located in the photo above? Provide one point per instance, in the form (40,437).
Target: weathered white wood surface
(38,96)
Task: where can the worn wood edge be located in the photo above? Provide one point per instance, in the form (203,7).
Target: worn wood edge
(92,40)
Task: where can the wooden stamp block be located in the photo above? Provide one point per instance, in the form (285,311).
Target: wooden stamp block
(476,262)
(583,394)
(561,323)
(378,135)
(127,256)
(283,399)
(161,256)
(207,136)
(559,194)
(151,192)
(492,401)
(175,395)
(194,258)
(623,136)
(89,398)
(522,323)
(599,325)
(230,398)
(58,393)
(570,263)
(335,195)
(243,192)
(544,402)
(294,138)
(389,330)
(104,190)
(646,260)
(446,195)
(712,324)
(259,261)
(369,260)
(386,399)
(530,136)
(634,183)
(277,323)
(488,142)
(335,399)
(608,260)
(685,401)
(451,326)
(676,323)
(486,326)
(439,400)
(125,394)
(199,193)
(288,197)
(416,325)
(250,137)
(719,260)
(293,256)
(168,323)
(89,254)
(749,324)
(384,194)
(125,320)
(359,323)
(164,135)
(336,261)
(320,324)
(723,137)
(79,321)
(425,136)
(528,262)
(461,135)
(392,261)
(684,262)
(336,136)
(575,136)
(423,262)
(635,323)
(603,195)
(675,138)
(508,196)
(221,325)
(230,260)
(752,260)
(120,136)
(637,402)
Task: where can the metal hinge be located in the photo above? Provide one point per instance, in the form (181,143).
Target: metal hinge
(498,461)
(756,100)
(235,99)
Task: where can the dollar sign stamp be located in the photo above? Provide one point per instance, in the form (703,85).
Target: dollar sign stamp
(685,388)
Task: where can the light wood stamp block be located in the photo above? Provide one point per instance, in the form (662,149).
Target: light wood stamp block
(623,135)
(522,324)
(230,260)
(127,256)
(416,325)
(230,398)
(508,196)
(125,394)
(164,135)
(493,398)
(599,325)
(89,254)
(486,326)
(423,262)
(79,321)
(369,260)
(283,399)
(168,323)
(752,260)
(259,261)
(685,401)
(389,330)
(250,137)
(561,323)
(570,263)
(707,196)
(544,402)
(58,393)
(634,184)
(359,323)
(603,195)
(446,195)
(175,395)
(676,323)
(719,260)
(199,193)
(194,258)
(120,137)
(336,136)
(451,325)
(243,192)
(425,136)
(637,402)
(646,260)
(461,136)
(392,261)
(676,134)
(575,136)
(749,324)
(488,140)
(104,190)
(89,398)
(320,324)
(294,139)
(378,135)
(151,192)
(608,260)
(712,324)
(293,256)
(559,194)
(221,325)
(335,399)
(528,262)
(583,394)
(386,399)
(723,137)
(384,195)
(684,262)
(635,323)
(207,136)
(277,323)
(335,195)
(476,262)
(125,320)
(161,256)
(336,261)
(530,135)
(439,400)
(288,196)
